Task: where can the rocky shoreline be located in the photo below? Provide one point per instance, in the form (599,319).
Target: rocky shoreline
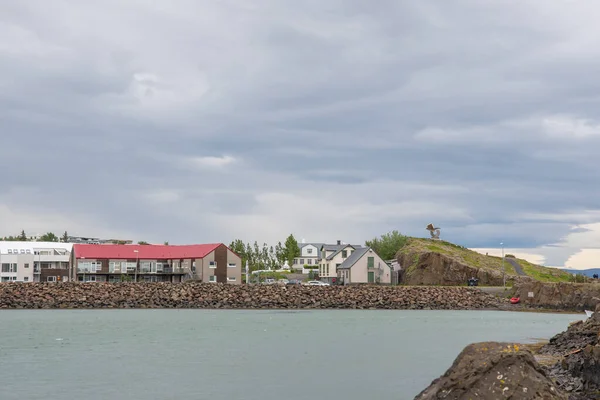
(567,367)
(222,296)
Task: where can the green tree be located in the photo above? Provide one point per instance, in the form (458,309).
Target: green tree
(23,236)
(143,243)
(48,237)
(291,249)
(238,247)
(280,253)
(65,237)
(166,243)
(388,244)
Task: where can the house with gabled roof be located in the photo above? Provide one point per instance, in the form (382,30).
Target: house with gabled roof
(155,263)
(309,255)
(332,256)
(364,266)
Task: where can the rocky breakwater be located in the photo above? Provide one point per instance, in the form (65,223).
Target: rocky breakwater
(206,295)
(433,268)
(491,371)
(563,296)
(577,351)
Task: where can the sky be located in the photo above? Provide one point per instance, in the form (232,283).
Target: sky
(195,121)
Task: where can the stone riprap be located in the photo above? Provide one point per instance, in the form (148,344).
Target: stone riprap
(222,296)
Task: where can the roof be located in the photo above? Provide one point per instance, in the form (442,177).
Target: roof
(354,257)
(31,246)
(317,245)
(337,248)
(148,252)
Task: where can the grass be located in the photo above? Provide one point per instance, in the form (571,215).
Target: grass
(461,254)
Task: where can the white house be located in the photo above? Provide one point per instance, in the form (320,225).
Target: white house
(365,266)
(34,261)
(309,255)
(332,256)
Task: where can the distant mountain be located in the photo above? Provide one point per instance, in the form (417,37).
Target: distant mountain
(587,272)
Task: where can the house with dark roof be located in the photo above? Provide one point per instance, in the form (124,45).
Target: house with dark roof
(155,263)
(309,255)
(331,257)
(364,266)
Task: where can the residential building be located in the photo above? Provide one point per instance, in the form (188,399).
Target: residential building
(92,240)
(309,255)
(365,266)
(34,261)
(155,263)
(332,256)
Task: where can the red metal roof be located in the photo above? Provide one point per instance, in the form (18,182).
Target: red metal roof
(145,252)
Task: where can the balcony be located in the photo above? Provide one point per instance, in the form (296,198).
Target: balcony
(37,270)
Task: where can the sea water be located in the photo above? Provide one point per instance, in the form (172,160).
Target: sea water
(240,354)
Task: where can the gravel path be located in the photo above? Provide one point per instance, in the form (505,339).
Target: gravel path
(516,265)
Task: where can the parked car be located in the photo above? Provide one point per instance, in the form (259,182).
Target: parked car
(294,282)
(282,281)
(317,283)
(269,281)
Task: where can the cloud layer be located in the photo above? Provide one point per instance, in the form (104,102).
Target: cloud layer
(203,121)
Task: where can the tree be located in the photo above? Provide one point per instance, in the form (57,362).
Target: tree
(143,243)
(388,244)
(48,237)
(291,249)
(65,237)
(280,253)
(23,236)
(166,243)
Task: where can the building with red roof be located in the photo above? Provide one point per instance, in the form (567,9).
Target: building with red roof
(155,263)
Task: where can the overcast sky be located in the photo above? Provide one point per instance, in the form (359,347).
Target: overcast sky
(204,121)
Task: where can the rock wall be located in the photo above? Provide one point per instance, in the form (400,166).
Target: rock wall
(433,268)
(207,295)
(564,296)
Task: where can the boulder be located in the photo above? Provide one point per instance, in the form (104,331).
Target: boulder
(491,371)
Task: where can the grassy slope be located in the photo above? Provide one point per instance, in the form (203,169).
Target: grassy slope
(478,260)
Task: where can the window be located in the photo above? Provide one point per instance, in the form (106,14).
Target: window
(26,265)
(28,251)
(9,279)
(22,251)
(309,251)
(327,269)
(231,278)
(26,279)
(370,262)
(114,266)
(344,253)
(130,267)
(159,267)
(9,251)
(9,268)
(145,266)
(302,261)
(231,265)
(51,279)
(309,261)
(212,264)
(212,278)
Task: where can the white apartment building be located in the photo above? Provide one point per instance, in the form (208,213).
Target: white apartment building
(34,261)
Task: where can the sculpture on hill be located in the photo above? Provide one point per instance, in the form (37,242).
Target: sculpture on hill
(433,231)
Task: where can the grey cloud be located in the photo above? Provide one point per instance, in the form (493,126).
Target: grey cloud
(323,101)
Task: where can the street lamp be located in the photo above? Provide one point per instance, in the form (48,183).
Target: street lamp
(137,258)
(503,266)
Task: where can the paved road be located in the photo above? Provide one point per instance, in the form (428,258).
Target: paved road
(516,265)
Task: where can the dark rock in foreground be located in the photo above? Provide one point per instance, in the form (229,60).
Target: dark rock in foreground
(490,371)
(578,352)
(211,295)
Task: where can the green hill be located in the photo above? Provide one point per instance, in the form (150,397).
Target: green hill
(417,254)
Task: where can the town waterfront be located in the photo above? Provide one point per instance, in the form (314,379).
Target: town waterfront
(239,354)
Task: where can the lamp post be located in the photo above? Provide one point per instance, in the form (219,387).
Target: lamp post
(137,259)
(503,266)
(84,268)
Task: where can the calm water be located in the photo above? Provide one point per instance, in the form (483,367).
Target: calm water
(254,355)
